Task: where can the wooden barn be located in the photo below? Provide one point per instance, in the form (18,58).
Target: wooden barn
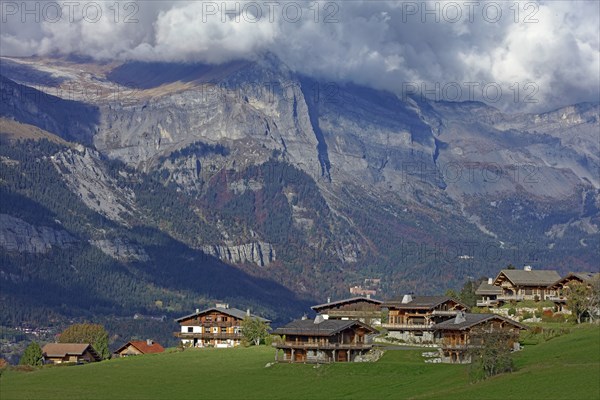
(58,353)
(363,309)
(138,347)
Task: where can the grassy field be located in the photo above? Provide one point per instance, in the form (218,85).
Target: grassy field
(565,367)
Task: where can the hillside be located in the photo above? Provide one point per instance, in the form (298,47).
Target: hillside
(157,188)
(566,367)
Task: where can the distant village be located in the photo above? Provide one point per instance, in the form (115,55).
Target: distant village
(348,330)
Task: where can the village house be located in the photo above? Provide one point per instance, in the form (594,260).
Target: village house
(363,309)
(413,319)
(322,340)
(560,288)
(457,334)
(137,347)
(219,326)
(58,353)
(526,284)
(488,294)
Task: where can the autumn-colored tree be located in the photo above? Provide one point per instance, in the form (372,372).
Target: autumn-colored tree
(94,334)
(490,352)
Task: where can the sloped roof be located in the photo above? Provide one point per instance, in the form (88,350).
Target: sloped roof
(346,301)
(486,288)
(580,276)
(471,320)
(530,278)
(328,327)
(143,347)
(234,312)
(425,302)
(65,349)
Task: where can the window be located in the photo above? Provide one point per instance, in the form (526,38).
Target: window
(223,329)
(215,329)
(224,319)
(190,329)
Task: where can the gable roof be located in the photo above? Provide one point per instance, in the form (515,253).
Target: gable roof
(485,289)
(68,349)
(471,320)
(328,327)
(143,347)
(423,302)
(521,277)
(234,312)
(346,301)
(580,276)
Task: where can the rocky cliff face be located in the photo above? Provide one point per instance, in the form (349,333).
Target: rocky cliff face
(397,177)
(17,235)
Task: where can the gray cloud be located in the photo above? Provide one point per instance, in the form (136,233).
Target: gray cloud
(547,52)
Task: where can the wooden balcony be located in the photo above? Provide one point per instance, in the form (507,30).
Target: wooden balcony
(444,312)
(404,327)
(323,346)
(511,297)
(206,336)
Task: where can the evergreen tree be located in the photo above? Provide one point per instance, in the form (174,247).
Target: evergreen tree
(32,355)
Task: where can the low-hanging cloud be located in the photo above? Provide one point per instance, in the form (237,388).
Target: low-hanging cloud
(540,55)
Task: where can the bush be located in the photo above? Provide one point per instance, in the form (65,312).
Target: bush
(512,311)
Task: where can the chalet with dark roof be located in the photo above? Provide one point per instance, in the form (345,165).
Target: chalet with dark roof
(138,347)
(526,284)
(58,353)
(412,319)
(457,334)
(488,294)
(322,340)
(364,309)
(218,326)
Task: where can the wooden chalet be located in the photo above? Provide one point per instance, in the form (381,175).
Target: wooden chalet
(456,334)
(322,340)
(58,353)
(560,287)
(363,309)
(526,284)
(488,294)
(138,347)
(219,326)
(413,319)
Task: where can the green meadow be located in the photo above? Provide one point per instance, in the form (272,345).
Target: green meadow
(564,367)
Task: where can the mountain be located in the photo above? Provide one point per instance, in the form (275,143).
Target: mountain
(152,188)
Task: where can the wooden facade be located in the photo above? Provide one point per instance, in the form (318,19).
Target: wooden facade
(58,353)
(457,338)
(363,309)
(413,319)
(219,326)
(322,341)
(526,284)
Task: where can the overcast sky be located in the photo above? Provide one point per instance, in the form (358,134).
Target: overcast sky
(547,51)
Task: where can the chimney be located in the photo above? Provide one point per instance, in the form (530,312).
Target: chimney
(197,311)
(329,299)
(407,298)
(368,295)
(490,281)
(527,268)
(318,319)
(247,311)
(460,317)
(149,342)
(304,317)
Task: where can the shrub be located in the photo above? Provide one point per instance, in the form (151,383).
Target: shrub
(512,311)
